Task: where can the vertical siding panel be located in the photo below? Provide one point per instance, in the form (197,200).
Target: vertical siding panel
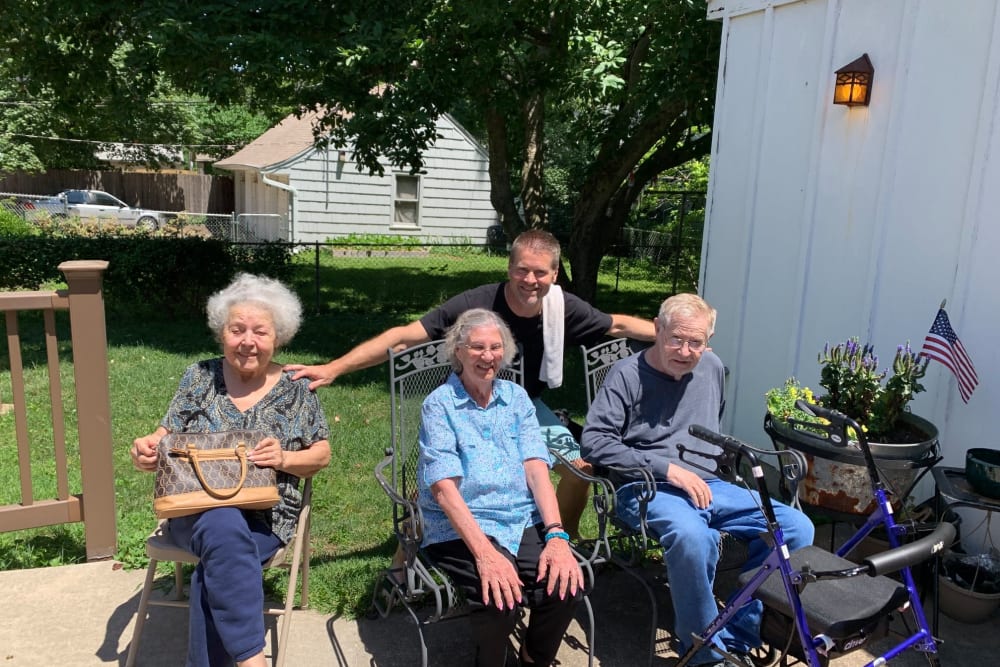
(824,221)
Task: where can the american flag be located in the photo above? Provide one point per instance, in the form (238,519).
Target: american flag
(942,344)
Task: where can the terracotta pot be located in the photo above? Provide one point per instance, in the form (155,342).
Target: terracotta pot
(838,478)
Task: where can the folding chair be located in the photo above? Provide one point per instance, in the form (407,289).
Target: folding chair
(425,592)
(619,542)
(159,547)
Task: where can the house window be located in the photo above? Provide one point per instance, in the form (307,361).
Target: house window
(406,201)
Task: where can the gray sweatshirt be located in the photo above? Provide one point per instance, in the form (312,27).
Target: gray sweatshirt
(640,415)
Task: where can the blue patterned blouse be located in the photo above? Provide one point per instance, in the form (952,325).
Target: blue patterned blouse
(289,412)
(485,448)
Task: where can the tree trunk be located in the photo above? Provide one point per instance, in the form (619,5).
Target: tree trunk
(532,183)
(501,195)
(612,189)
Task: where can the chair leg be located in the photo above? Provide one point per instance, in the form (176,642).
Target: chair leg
(286,616)
(178,581)
(306,555)
(590,630)
(140,616)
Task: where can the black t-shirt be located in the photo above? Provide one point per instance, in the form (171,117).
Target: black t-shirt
(585,325)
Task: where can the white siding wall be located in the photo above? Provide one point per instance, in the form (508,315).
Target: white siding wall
(826,222)
(254,197)
(333,199)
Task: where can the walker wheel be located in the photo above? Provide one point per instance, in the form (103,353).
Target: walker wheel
(764,656)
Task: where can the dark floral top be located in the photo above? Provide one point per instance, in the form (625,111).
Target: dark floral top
(289,412)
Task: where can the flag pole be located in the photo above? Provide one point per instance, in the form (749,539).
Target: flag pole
(943,302)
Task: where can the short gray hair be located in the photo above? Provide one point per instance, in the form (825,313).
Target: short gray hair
(689,305)
(475,318)
(268,293)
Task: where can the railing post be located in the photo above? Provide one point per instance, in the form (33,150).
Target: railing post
(93,404)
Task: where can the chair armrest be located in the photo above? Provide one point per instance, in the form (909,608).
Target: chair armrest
(604,508)
(643,488)
(408,519)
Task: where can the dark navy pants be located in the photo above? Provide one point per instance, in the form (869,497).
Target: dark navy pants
(227,589)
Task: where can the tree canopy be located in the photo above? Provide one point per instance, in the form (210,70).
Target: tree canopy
(626,87)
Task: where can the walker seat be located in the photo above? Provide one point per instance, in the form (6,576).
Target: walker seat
(847,612)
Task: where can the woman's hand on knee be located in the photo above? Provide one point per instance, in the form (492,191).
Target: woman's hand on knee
(499,579)
(559,565)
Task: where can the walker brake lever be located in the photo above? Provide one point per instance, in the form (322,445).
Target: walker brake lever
(726,464)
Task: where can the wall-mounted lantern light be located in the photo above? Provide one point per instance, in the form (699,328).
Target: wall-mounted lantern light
(341,156)
(854,83)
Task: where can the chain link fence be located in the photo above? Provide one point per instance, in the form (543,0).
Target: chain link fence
(360,278)
(660,257)
(46,210)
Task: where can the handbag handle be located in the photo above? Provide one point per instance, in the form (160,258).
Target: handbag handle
(241,454)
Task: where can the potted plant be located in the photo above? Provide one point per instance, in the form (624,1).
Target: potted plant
(902,442)
(969,586)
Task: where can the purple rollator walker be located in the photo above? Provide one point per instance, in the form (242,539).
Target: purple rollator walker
(811,621)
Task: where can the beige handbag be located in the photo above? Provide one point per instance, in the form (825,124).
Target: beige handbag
(200,471)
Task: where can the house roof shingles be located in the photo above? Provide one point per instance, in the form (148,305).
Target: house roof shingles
(286,139)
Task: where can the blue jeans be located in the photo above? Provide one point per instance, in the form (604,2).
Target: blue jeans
(227,588)
(690,540)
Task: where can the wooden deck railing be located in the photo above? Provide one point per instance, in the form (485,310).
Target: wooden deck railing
(94,504)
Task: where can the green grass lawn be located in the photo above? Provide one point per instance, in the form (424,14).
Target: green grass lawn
(360,296)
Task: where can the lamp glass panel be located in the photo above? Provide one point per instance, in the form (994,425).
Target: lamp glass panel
(851,88)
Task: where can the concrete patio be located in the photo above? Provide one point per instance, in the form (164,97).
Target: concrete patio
(80,615)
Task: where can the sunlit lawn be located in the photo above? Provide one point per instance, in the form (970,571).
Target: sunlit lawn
(358,297)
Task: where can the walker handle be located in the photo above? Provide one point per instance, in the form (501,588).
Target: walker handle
(893,560)
(815,410)
(727,442)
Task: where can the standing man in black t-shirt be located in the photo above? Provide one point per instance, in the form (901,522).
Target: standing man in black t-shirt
(531,271)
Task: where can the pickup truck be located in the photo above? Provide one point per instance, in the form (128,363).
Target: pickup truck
(95,204)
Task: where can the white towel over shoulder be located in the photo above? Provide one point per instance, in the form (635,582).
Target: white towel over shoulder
(553,326)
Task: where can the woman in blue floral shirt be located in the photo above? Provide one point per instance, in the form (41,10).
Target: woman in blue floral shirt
(244,389)
(490,512)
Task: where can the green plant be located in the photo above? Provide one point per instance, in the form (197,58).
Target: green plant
(394,241)
(781,400)
(854,386)
(11,224)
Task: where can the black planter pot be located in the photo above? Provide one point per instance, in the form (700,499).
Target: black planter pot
(838,479)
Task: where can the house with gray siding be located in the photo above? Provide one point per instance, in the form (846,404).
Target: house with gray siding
(288,188)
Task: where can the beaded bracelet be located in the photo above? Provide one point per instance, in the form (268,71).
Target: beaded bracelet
(562,535)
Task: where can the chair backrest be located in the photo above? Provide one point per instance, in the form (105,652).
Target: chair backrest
(413,374)
(598,360)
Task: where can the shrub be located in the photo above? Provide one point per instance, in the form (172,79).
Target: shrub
(146,273)
(11,224)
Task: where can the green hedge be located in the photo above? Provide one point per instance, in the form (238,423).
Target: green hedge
(145,273)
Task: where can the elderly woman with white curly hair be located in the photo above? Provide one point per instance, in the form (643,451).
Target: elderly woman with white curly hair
(491,519)
(242,389)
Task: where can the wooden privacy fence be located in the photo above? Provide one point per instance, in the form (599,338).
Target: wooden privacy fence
(95,504)
(160,191)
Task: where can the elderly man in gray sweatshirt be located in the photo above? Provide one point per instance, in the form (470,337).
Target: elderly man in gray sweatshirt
(640,415)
